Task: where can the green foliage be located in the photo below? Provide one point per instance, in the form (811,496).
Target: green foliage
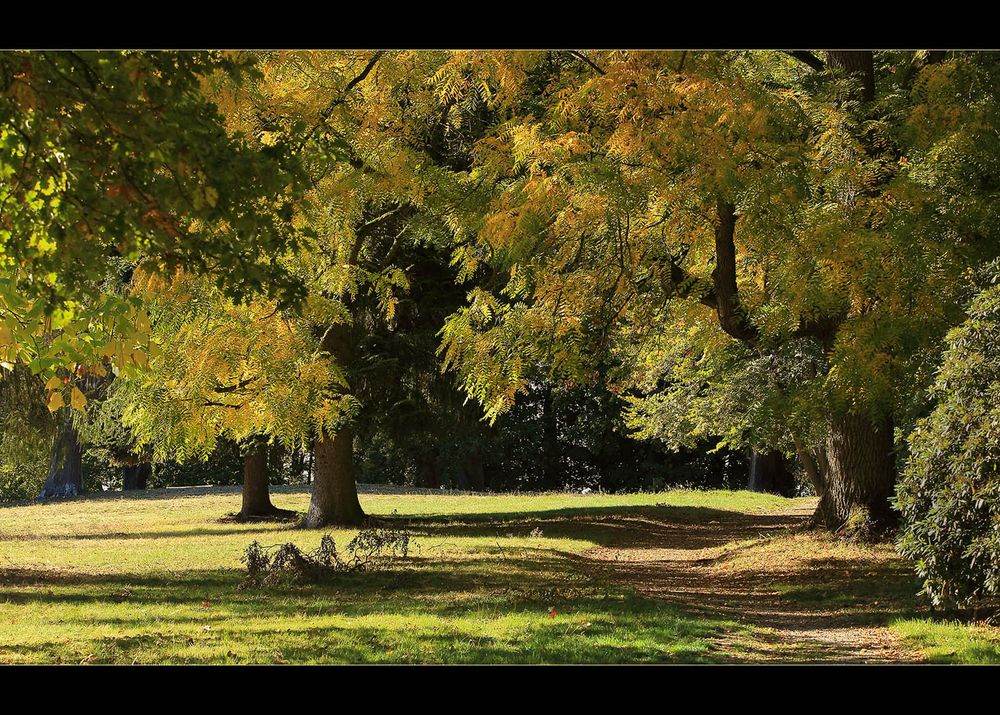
(379,148)
(120,155)
(26,433)
(855,224)
(950,492)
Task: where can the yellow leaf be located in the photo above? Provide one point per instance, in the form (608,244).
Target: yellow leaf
(77,399)
(55,401)
(54,383)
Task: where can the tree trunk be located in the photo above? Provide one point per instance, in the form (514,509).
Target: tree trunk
(430,475)
(472,466)
(815,467)
(859,475)
(770,474)
(334,498)
(65,476)
(256,493)
(334,494)
(859,64)
(135,476)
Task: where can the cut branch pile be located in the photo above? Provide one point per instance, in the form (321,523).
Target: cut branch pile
(372,549)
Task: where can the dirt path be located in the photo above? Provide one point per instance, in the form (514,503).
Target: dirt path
(679,563)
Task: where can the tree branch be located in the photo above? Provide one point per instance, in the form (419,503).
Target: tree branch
(808,58)
(242,384)
(583,58)
(328,110)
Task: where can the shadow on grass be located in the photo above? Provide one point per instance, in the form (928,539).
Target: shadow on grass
(624,631)
(703,526)
(487,608)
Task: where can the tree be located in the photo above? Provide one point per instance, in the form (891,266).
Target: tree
(65,476)
(256,494)
(705,214)
(27,431)
(380,155)
(771,473)
(112,156)
(222,371)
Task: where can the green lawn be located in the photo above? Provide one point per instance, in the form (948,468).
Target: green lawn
(951,641)
(155,579)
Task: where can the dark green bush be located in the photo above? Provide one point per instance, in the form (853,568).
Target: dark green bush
(949,494)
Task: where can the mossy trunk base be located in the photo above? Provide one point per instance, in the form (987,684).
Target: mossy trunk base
(860,473)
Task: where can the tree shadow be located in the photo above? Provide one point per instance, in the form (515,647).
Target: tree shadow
(685,527)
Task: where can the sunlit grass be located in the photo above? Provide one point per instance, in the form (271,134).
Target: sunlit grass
(492,578)
(156,579)
(951,641)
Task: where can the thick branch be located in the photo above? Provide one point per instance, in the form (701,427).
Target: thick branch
(582,57)
(328,110)
(722,296)
(808,58)
(732,317)
(860,64)
(242,384)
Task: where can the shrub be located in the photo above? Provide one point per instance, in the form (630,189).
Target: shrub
(949,493)
(371,550)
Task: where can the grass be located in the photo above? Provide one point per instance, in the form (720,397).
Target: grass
(951,641)
(155,578)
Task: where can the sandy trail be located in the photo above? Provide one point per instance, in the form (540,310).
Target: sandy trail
(675,562)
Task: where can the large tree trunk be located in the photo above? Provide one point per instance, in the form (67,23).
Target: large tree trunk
(858,64)
(334,494)
(859,475)
(135,476)
(334,498)
(256,493)
(770,473)
(65,476)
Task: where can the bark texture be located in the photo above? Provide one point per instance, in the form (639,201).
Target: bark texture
(858,64)
(859,467)
(334,498)
(65,476)
(256,490)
